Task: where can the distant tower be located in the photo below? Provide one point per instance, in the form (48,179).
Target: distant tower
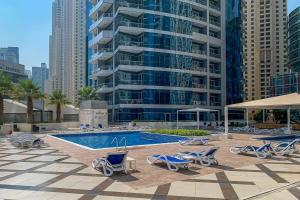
(265,47)
(68,48)
(40,75)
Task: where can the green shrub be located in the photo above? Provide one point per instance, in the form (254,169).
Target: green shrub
(181,132)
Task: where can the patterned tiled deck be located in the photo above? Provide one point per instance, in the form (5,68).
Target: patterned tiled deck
(52,175)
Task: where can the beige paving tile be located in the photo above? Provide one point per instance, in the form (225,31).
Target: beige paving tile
(3,162)
(39,195)
(89,170)
(13,194)
(78,182)
(208,190)
(46,158)
(283,195)
(59,167)
(13,151)
(21,165)
(16,157)
(290,177)
(246,190)
(38,151)
(121,187)
(180,188)
(28,179)
(2,174)
(71,160)
(250,167)
(283,167)
(117,198)
(207,177)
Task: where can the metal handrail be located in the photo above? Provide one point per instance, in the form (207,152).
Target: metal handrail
(125,142)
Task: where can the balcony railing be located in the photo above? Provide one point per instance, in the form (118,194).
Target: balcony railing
(130,24)
(104,85)
(199,51)
(103,67)
(199,17)
(214,6)
(215,87)
(130,62)
(215,55)
(129,5)
(98,6)
(131,82)
(199,85)
(203,2)
(214,22)
(196,67)
(202,103)
(131,101)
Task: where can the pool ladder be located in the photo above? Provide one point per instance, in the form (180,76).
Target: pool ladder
(118,143)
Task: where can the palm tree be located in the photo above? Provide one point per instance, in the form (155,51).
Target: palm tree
(87,93)
(29,90)
(5,89)
(59,99)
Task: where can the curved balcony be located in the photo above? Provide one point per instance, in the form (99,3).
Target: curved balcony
(131,28)
(103,21)
(102,38)
(104,88)
(103,54)
(130,46)
(103,71)
(102,5)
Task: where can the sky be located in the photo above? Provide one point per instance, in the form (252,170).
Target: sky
(27,25)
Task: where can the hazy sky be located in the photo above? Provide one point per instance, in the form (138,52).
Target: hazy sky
(27,25)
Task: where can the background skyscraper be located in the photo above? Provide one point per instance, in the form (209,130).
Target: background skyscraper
(265,45)
(68,48)
(234,51)
(10,54)
(40,75)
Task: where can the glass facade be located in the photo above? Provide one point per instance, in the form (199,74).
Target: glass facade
(284,84)
(234,51)
(154,57)
(294,40)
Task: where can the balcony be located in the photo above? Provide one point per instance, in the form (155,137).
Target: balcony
(102,38)
(102,5)
(103,21)
(130,46)
(130,101)
(200,103)
(130,82)
(215,87)
(215,22)
(199,51)
(103,71)
(214,54)
(214,5)
(131,28)
(199,85)
(198,68)
(199,17)
(202,2)
(127,8)
(103,54)
(104,87)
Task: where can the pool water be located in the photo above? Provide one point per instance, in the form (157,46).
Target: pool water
(105,140)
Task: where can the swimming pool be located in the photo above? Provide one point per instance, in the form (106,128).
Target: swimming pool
(105,140)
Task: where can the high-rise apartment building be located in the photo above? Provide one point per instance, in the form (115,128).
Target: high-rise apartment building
(68,48)
(294,40)
(152,58)
(265,45)
(10,54)
(234,51)
(40,75)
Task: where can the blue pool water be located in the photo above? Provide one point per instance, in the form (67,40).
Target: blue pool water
(104,140)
